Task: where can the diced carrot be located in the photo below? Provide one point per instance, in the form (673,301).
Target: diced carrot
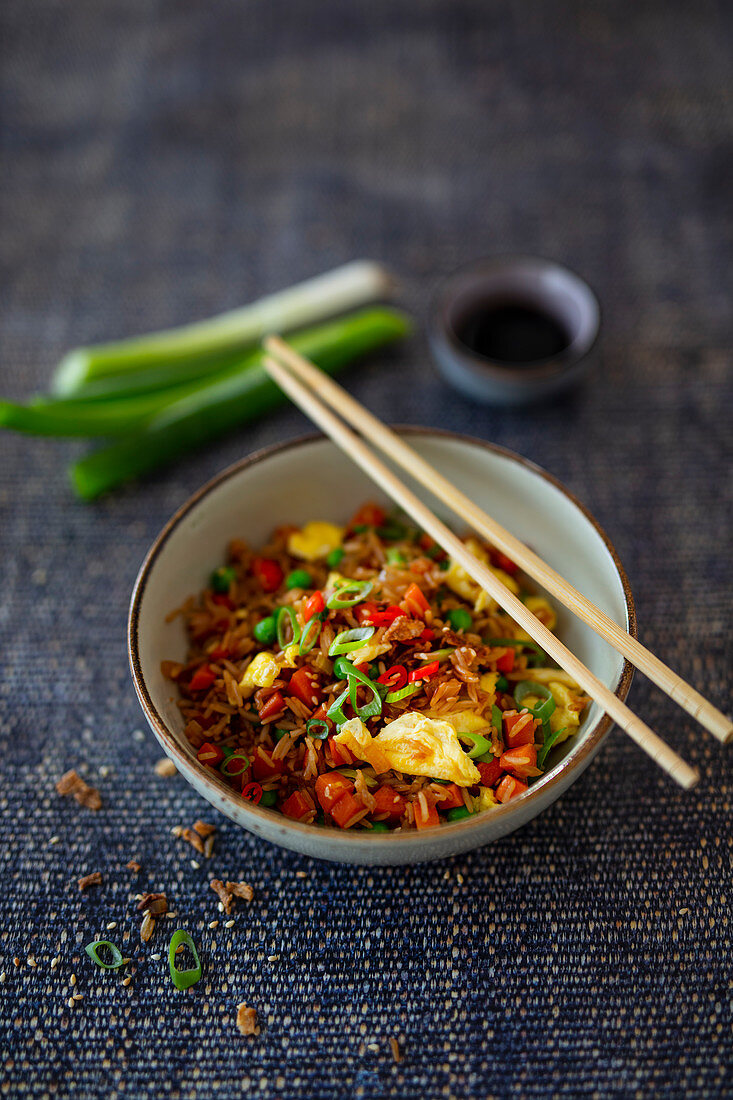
(263,766)
(520,761)
(296,806)
(340,754)
(506,663)
(490,772)
(415,602)
(304,686)
(274,706)
(425,820)
(330,787)
(509,788)
(370,515)
(518,728)
(454,799)
(314,605)
(389,802)
(202,679)
(347,811)
(210,754)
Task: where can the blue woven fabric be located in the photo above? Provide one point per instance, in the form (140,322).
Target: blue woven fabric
(164,161)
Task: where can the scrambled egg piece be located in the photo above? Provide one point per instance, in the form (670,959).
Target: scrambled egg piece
(260,673)
(485,800)
(315,540)
(470,721)
(368,652)
(567,710)
(288,655)
(460,582)
(413,743)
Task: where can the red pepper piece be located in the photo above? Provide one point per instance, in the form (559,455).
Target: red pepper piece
(506,663)
(220,653)
(202,679)
(209,754)
(501,561)
(268,573)
(223,600)
(423,673)
(252,792)
(314,605)
(394,678)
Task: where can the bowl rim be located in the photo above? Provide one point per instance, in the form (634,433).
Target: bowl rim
(575,760)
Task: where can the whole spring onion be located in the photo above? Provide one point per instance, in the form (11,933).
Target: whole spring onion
(218,405)
(349,640)
(340,598)
(92,950)
(326,295)
(183,979)
(283,616)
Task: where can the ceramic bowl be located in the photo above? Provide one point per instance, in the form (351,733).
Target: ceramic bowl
(309,478)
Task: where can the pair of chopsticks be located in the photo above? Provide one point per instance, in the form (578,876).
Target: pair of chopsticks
(313,391)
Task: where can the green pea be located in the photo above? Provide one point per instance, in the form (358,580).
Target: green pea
(360,528)
(379,827)
(333,558)
(444,565)
(280,733)
(396,557)
(265,630)
(502,684)
(222,578)
(460,619)
(299,578)
(458,813)
(269,798)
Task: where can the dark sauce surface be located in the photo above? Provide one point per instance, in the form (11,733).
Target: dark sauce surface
(509,332)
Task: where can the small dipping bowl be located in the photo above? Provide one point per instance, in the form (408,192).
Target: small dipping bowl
(513,330)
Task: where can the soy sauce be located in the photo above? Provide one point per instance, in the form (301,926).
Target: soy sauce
(511,332)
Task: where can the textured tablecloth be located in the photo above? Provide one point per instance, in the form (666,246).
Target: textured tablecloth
(165,160)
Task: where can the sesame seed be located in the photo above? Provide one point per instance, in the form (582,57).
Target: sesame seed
(70,1002)
(220,907)
(171,916)
(459,879)
(138,735)
(229,924)
(78,996)
(72,979)
(272,958)
(156,956)
(213,924)
(373,1046)
(104,771)
(447,874)
(55,840)
(16,961)
(301,874)
(55,961)
(683,911)
(195,864)
(112,924)
(31,961)
(2,977)
(127,980)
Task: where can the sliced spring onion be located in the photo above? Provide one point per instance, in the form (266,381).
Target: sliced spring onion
(403,693)
(459,618)
(183,979)
(543,710)
(548,743)
(374,706)
(392,532)
(311,634)
(342,666)
(234,765)
(480,744)
(92,950)
(458,813)
(497,719)
(435,655)
(317,728)
(349,640)
(395,557)
(281,615)
(342,598)
(336,711)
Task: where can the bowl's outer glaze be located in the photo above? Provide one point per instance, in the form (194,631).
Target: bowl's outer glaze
(309,478)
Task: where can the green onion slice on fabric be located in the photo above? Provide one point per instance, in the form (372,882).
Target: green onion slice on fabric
(183,979)
(284,616)
(349,594)
(92,950)
(349,640)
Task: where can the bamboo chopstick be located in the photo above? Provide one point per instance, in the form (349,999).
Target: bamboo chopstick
(365,458)
(405,456)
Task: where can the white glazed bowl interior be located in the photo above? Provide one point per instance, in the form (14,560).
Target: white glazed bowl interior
(309,478)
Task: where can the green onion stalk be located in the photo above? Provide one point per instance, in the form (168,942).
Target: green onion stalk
(163,358)
(209,408)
